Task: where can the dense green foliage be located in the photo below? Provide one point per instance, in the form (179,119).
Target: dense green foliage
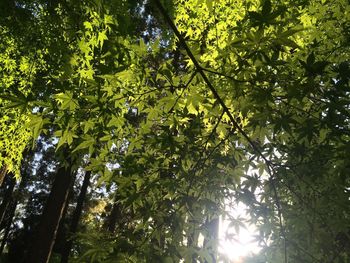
(248,103)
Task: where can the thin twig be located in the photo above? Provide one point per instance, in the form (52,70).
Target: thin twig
(224,75)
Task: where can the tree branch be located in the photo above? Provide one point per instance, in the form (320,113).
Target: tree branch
(256,147)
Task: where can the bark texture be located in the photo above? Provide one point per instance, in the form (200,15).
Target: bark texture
(44,239)
(7,197)
(76,217)
(11,215)
(3,172)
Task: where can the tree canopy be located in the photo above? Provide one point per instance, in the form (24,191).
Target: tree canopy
(163,113)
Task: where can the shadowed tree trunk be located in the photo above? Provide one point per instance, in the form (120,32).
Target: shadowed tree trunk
(7,197)
(12,200)
(114,215)
(12,211)
(76,217)
(3,171)
(44,239)
(62,228)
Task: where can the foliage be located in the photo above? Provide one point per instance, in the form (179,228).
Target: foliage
(167,148)
(16,72)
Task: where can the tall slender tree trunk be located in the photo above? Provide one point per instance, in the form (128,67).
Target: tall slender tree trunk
(3,172)
(113,216)
(7,197)
(8,226)
(44,239)
(76,217)
(62,229)
(9,206)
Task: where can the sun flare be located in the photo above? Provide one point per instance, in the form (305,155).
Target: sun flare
(236,246)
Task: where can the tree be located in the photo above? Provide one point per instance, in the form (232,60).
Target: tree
(207,101)
(43,241)
(76,216)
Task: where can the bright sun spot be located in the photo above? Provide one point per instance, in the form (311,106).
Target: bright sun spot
(237,246)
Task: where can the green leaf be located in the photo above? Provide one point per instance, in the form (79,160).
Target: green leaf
(36,124)
(287,42)
(66,101)
(67,137)
(61,141)
(291,32)
(87,73)
(88,125)
(115,122)
(101,38)
(88,25)
(106,138)
(70,135)
(85,144)
(191,109)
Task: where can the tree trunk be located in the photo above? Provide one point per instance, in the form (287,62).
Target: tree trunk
(44,239)
(76,217)
(62,228)
(7,197)
(8,226)
(113,217)
(3,172)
